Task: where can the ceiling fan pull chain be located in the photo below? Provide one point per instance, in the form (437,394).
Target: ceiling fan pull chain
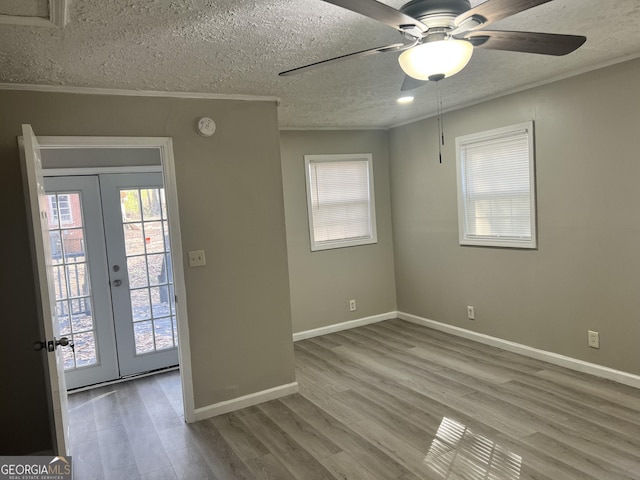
(440,122)
(440,116)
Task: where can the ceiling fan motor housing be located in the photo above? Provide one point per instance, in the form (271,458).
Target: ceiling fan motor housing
(420,9)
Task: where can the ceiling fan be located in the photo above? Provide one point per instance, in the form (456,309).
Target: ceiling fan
(441,35)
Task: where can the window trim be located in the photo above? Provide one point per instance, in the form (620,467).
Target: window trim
(332,244)
(462,224)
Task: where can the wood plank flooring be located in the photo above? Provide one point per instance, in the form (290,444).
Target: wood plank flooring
(387,401)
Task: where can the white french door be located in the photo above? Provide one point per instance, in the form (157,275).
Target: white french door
(138,251)
(83,304)
(113,275)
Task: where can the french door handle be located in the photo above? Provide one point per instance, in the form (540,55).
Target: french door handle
(53,344)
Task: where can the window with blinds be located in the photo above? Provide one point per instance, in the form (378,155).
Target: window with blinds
(496,187)
(340,200)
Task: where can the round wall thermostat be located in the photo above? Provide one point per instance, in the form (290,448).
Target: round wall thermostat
(206,127)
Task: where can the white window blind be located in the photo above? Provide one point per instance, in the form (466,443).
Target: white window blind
(496,194)
(340,200)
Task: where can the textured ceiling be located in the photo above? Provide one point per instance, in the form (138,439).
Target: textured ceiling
(239,46)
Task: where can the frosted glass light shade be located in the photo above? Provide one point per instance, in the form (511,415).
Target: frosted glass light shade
(444,57)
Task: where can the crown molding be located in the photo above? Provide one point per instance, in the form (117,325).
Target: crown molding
(316,129)
(135,93)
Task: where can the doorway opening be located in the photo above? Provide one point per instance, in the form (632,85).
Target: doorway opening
(113,275)
(114,229)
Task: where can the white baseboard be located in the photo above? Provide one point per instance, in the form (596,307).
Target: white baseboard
(550,357)
(336,327)
(245,401)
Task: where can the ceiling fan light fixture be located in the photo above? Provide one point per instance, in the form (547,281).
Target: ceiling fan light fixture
(442,57)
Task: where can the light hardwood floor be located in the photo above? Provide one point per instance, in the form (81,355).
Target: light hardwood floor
(387,401)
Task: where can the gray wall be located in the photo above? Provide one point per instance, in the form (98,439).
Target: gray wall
(231,205)
(585,273)
(323,282)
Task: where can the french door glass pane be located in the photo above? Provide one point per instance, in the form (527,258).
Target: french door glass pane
(145,226)
(150,204)
(144,337)
(130,206)
(141,307)
(134,239)
(154,237)
(137,267)
(157,272)
(85,347)
(73,244)
(163,333)
(71,278)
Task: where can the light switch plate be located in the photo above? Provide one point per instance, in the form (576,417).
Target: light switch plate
(196,258)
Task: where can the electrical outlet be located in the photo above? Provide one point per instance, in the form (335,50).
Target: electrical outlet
(594,339)
(196,258)
(471,313)
(352,306)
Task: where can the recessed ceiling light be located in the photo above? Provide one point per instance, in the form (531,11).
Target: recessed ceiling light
(405,100)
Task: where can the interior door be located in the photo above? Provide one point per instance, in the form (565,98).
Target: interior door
(43,271)
(140,270)
(83,303)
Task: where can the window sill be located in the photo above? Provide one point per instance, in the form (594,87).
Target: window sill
(502,243)
(343,244)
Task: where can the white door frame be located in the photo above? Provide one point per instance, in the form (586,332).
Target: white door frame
(165,147)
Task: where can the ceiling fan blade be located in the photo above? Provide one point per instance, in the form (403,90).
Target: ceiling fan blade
(494,10)
(383,13)
(362,53)
(528,42)
(410,83)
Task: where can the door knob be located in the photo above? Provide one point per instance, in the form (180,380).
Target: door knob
(51,345)
(117,283)
(55,343)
